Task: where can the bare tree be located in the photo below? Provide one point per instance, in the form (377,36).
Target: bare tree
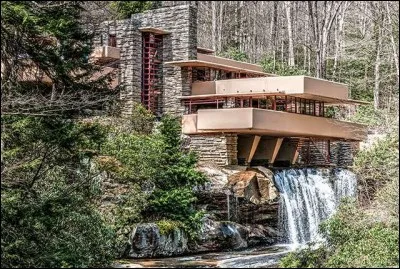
(288,9)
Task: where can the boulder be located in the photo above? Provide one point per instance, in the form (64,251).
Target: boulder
(147,241)
(221,235)
(261,235)
(255,186)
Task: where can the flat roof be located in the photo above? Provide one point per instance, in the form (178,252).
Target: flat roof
(201,49)
(153,30)
(330,100)
(207,60)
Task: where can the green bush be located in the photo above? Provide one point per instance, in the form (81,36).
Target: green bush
(53,230)
(366,114)
(309,257)
(156,163)
(49,189)
(168,226)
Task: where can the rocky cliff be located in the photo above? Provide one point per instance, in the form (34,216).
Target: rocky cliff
(242,211)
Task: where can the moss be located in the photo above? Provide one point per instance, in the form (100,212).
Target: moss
(168,226)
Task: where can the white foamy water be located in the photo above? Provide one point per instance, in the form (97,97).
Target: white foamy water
(309,196)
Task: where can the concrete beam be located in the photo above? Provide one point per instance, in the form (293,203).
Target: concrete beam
(253,149)
(277,145)
(295,153)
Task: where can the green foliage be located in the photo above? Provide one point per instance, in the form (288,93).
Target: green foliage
(125,9)
(157,163)
(48,191)
(357,73)
(280,68)
(378,247)
(376,166)
(124,215)
(176,166)
(52,37)
(50,185)
(52,230)
(141,120)
(308,257)
(135,157)
(173,196)
(168,226)
(366,114)
(235,54)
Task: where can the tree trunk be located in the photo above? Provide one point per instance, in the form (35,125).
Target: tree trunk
(395,55)
(378,46)
(221,16)
(338,37)
(274,23)
(288,8)
(214,24)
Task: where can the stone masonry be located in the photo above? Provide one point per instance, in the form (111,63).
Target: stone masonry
(180,44)
(220,149)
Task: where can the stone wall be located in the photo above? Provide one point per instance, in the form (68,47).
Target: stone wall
(219,149)
(180,44)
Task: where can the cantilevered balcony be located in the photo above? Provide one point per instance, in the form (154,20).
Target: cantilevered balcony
(295,86)
(271,123)
(105,54)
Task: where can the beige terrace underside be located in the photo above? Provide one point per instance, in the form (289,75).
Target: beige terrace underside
(268,122)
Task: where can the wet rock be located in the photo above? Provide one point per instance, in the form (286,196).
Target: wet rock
(261,235)
(240,194)
(217,236)
(147,241)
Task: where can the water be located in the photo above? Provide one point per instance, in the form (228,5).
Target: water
(250,258)
(309,196)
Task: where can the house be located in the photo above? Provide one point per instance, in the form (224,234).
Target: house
(232,112)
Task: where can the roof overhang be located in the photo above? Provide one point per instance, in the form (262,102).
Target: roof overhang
(154,30)
(205,50)
(211,61)
(328,100)
(296,86)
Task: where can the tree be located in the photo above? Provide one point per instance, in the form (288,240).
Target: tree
(47,38)
(50,182)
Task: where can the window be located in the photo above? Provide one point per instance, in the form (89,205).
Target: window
(112,40)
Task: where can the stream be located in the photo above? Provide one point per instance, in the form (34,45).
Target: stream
(262,257)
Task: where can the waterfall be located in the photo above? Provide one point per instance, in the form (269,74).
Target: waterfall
(307,197)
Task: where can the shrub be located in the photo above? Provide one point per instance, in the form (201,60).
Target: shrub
(376,166)
(168,226)
(309,257)
(49,189)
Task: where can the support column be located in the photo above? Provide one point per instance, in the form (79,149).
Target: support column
(253,149)
(295,153)
(276,147)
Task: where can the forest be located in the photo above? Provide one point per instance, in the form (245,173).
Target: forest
(76,175)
